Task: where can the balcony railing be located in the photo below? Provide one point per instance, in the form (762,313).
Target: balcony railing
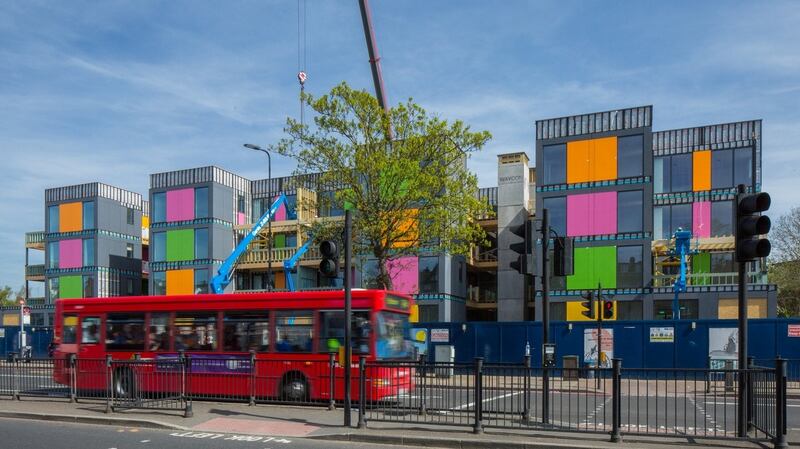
(707,279)
(34,270)
(261,256)
(35,238)
(36,301)
(482,295)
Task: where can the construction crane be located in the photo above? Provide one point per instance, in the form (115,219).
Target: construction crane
(374,59)
(682,250)
(290,264)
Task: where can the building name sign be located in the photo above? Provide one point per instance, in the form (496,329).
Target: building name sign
(503,180)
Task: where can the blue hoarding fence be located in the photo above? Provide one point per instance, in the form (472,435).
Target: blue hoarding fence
(38,338)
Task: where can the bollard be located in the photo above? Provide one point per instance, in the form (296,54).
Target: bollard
(362,391)
(423,407)
(252,378)
(73,376)
(332,380)
(780,404)
(616,400)
(526,394)
(478,395)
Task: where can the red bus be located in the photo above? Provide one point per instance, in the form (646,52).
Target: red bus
(290,334)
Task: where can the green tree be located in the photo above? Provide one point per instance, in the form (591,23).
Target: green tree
(412,193)
(9,297)
(785,265)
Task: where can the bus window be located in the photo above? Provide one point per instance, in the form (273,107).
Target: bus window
(245,331)
(125,331)
(196,331)
(333,332)
(391,342)
(294,331)
(90,330)
(70,329)
(159,332)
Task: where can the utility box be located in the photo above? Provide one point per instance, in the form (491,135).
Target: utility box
(445,357)
(569,363)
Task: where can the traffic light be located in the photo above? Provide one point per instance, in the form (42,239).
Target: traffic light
(562,257)
(608,309)
(751,225)
(588,305)
(522,248)
(329,266)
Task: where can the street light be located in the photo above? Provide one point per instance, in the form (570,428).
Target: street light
(269,223)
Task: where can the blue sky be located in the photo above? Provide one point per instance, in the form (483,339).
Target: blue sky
(112,91)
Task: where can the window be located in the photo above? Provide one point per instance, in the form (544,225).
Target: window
(245,331)
(196,331)
(667,219)
(660,175)
(554,164)
(332,332)
(128,286)
(90,330)
(721,218)
(429,274)
(125,331)
(722,263)
(201,202)
(53,288)
(629,211)
(88,287)
(52,218)
(240,204)
(52,254)
(662,309)
(743,167)
(629,267)
(88,253)
(294,331)
(201,243)
(88,215)
(681,173)
(159,279)
(158,337)
(721,169)
(130,216)
(369,273)
(129,250)
(329,206)
(159,247)
(69,331)
(291,240)
(391,338)
(201,281)
(557,213)
(159,207)
(630,156)
(629,310)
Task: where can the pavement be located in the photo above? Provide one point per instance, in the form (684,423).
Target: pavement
(317,423)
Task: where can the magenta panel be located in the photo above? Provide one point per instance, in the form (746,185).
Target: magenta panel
(405,274)
(70,253)
(180,205)
(592,214)
(701,219)
(280,214)
(240,218)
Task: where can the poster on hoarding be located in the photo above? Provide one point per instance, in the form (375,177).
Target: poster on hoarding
(419,338)
(440,335)
(590,351)
(662,335)
(723,345)
(794,330)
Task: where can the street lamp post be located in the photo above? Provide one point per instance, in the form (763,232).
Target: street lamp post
(269,223)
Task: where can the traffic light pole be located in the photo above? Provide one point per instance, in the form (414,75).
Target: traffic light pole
(742,409)
(545,315)
(348,346)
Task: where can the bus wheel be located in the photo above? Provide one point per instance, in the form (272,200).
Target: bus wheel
(294,387)
(124,384)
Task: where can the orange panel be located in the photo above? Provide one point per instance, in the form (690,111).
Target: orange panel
(280,280)
(603,160)
(70,217)
(180,282)
(578,161)
(701,170)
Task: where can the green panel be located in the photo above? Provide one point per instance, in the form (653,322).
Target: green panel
(592,266)
(280,241)
(701,263)
(180,245)
(70,287)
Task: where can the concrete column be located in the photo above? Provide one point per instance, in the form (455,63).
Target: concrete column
(512,210)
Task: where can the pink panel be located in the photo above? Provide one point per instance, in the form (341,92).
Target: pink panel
(578,217)
(180,205)
(604,211)
(592,214)
(280,214)
(70,253)
(701,219)
(405,274)
(239,218)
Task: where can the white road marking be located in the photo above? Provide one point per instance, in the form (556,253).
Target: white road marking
(470,404)
(225,437)
(145,441)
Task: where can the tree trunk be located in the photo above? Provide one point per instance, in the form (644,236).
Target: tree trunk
(383,280)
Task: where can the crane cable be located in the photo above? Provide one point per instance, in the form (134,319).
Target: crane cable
(301,55)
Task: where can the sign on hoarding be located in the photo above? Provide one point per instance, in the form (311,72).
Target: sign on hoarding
(723,345)
(440,335)
(590,351)
(662,335)
(794,330)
